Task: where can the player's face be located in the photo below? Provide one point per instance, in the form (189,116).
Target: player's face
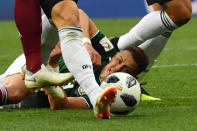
(121,62)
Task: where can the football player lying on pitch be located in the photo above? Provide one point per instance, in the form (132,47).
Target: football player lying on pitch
(131,60)
(13,82)
(12,78)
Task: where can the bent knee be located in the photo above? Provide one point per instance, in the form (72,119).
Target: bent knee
(65,14)
(181,11)
(185,14)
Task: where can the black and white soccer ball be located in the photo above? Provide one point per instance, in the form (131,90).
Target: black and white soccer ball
(128,92)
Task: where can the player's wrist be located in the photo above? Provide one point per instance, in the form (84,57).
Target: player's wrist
(86,40)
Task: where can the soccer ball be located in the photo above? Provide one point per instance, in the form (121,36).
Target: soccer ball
(128,92)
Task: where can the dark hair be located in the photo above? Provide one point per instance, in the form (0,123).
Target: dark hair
(140,58)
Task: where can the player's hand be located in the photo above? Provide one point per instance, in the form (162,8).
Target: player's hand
(95,56)
(55,55)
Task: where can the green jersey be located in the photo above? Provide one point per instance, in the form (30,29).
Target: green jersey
(105,48)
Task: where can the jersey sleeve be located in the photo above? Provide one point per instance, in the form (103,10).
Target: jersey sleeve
(62,66)
(101,43)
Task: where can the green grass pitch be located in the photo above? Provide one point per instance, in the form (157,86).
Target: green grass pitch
(173,79)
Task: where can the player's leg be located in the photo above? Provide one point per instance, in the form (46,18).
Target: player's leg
(179,11)
(65,16)
(153,47)
(27,16)
(102,44)
(75,55)
(174,13)
(47,75)
(28,21)
(49,38)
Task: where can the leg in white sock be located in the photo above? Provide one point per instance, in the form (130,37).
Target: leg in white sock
(153,48)
(152,25)
(78,60)
(49,38)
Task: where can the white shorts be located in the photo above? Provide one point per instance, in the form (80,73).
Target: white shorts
(15,67)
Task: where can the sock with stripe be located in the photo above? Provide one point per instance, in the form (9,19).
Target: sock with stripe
(78,60)
(152,25)
(3,95)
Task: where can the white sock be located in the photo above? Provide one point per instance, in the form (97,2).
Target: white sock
(152,25)
(78,61)
(153,48)
(29,73)
(49,38)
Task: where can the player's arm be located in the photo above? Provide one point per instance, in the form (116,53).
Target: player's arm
(67,103)
(15,87)
(88,32)
(55,55)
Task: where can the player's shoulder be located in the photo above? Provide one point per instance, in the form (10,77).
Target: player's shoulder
(114,41)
